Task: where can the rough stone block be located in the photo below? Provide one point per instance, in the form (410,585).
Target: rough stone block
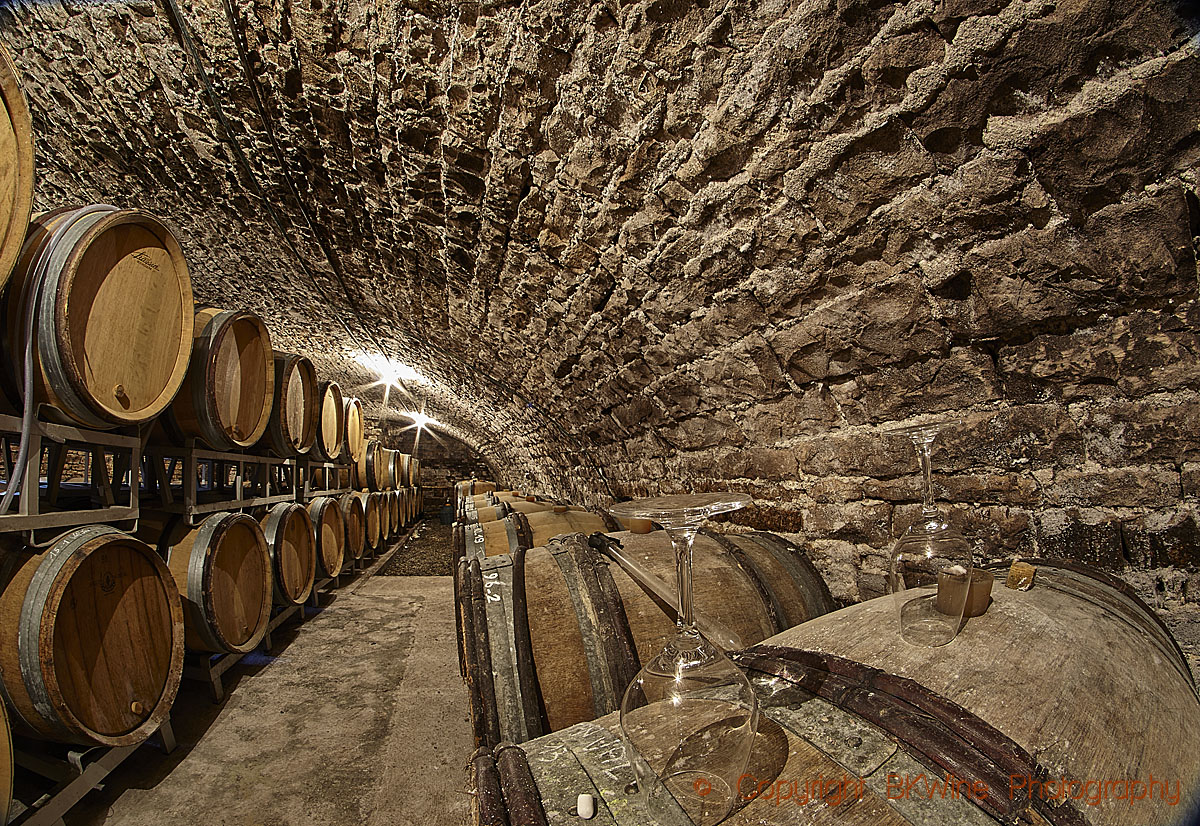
(1162,539)
(1090,535)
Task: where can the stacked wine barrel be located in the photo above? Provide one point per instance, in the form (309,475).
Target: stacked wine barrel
(100,331)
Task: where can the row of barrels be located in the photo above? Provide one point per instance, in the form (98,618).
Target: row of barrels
(100,329)
(381,468)
(552,629)
(93,629)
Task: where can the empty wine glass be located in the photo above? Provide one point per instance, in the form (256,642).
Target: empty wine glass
(689,717)
(931,563)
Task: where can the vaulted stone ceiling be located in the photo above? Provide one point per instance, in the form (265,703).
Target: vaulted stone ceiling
(659,245)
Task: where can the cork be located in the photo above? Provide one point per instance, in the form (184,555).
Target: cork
(1020,576)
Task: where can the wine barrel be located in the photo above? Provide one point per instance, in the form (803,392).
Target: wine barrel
(354,517)
(499,510)
(565,629)
(6,765)
(371,534)
(1074,678)
(292,543)
(399,520)
(414,471)
(329,527)
(113,319)
(370,470)
(386,529)
(292,428)
(403,470)
(354,436)
(471,487)
(16,191)
(226,398)
(223,572)
(519,530)
(331,423)
(91,638)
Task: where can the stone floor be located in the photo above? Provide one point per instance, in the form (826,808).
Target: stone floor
(359,717)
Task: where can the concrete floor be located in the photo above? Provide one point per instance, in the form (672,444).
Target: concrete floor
(358,718)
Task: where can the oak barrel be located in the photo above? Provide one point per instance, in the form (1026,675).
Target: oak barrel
(386,529)
(329,526)
(398,517)
(472,487)
(563,629)
(519,530)
(227,396)
(354,517)
(223,571)
(414,471)
(292,543)
(16,175)
(331,422)
(6,765)
(292,428)
(369,468)
(113,320)
(1074,678)
(371,533)
(91,638)
(354,435)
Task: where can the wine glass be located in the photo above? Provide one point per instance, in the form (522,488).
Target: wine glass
(689,717)
(931,563)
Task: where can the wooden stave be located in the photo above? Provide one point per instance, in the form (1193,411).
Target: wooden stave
(354,430)
(398,517)
(320,450)
(194,412)
(6,765)
(386,529)
(59,381)
(193,575)
(17,111)
(281,441)
(274,523)
(370,522)
(321,509)
(369,467)
(26,689)
(558,574)
(353,516)
(515,530)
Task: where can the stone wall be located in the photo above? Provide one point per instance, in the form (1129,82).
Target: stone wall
(666,245)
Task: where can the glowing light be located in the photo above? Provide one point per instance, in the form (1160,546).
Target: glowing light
(420,420)
(391,372)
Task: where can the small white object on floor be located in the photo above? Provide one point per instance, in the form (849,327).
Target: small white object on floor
(586,806)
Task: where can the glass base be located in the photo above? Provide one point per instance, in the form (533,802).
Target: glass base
(921,623)
(704,798)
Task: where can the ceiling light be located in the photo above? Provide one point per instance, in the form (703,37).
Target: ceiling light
(391,372)
(420,419)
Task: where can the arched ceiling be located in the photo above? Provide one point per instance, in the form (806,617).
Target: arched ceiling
(639,246)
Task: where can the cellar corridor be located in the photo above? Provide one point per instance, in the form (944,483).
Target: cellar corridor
(356,717)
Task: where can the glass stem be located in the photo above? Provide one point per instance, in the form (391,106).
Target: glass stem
(924,452)
(681,541)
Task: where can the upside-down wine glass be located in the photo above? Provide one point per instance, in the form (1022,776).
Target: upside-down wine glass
(931,563)
(689,717)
